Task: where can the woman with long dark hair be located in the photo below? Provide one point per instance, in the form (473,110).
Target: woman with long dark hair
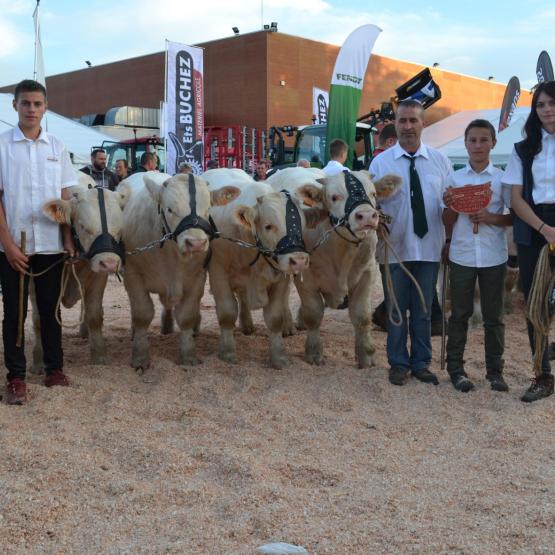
(531,172)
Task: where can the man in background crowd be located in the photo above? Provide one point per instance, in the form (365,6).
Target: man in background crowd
(261,170)
(386,139)
(149,162)
(185,168)
(103,177)
(339,151)
(122,169)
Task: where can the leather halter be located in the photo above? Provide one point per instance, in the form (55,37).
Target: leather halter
(104,242)
(292,241)
(192,220)
(356,195)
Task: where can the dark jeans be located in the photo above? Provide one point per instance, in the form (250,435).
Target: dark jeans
(491,282)
(418,324)
(47,288)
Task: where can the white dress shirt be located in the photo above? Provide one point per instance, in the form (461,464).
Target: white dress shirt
(543,171)
(488,247)
(333,167)
(433,170)
(31,173)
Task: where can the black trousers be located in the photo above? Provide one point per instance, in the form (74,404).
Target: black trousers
(47,288)
(527,260)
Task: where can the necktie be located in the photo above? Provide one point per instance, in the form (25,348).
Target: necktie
(420,224)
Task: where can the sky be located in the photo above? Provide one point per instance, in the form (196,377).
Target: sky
(473,37)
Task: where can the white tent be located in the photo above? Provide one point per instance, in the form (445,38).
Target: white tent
(78,138)
(447,135)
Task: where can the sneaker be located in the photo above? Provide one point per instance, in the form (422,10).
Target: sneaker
(461,382)
(398,375)
(425,376)
(541,387)
(56,378)
(16,392)
(497,382)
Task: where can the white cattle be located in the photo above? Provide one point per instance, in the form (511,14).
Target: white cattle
(82,212)
(300,182)
(344,265)
(176,271)
(239,272)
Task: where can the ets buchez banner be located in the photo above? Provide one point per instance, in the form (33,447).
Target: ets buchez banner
(320,101)
(184,107)
(510,100)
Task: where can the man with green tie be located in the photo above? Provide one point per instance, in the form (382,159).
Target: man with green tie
(417,235)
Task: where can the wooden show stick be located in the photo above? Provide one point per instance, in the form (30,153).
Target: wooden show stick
(21,318)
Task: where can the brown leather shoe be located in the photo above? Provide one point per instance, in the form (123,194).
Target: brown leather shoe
(56,378)
(16,392)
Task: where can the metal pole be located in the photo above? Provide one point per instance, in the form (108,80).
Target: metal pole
(36,43)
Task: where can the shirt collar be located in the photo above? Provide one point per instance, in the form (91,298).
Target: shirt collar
(399,151)
(488,169)
(546,135)
(19,136)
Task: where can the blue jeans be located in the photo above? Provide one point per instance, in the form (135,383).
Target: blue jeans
(418,323)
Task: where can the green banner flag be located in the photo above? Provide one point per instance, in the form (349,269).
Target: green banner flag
(346,86)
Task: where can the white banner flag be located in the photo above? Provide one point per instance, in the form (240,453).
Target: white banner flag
(184,107)
(320,102)
(39,61)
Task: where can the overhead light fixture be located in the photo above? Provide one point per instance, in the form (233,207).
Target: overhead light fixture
(273,26)
(235,30)
(88,63)
(282,83)
(490,78)
(436,64)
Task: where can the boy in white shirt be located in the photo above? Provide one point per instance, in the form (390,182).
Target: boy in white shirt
(34,168)
(339,150)
(481,256)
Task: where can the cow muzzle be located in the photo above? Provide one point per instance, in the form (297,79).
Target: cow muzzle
(363,220)
(294,263)
(105,262)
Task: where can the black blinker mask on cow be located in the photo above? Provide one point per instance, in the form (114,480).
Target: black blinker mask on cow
(356,195)
(104,242)
(192,220)
(292,241)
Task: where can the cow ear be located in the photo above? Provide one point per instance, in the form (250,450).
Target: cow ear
(123,194)
(310,195)
(224,195)
(58,210)
(388,185)
(245,217)
(314,216)
(155,189)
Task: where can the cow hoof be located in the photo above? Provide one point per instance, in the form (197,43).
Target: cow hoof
(83,331)
(140,367)
(190,360)
(288,330)
(99,359)
(316,359)
(366,362)
(279,363)
(247,329)
(228,357)
(36,369)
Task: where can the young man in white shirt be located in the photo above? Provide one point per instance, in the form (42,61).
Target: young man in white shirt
(34,168)
(482,255)
(416,234)
(339,150)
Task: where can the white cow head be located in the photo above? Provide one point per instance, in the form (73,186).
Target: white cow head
(361,218)
(82,212)
(267,221)
(174,199)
